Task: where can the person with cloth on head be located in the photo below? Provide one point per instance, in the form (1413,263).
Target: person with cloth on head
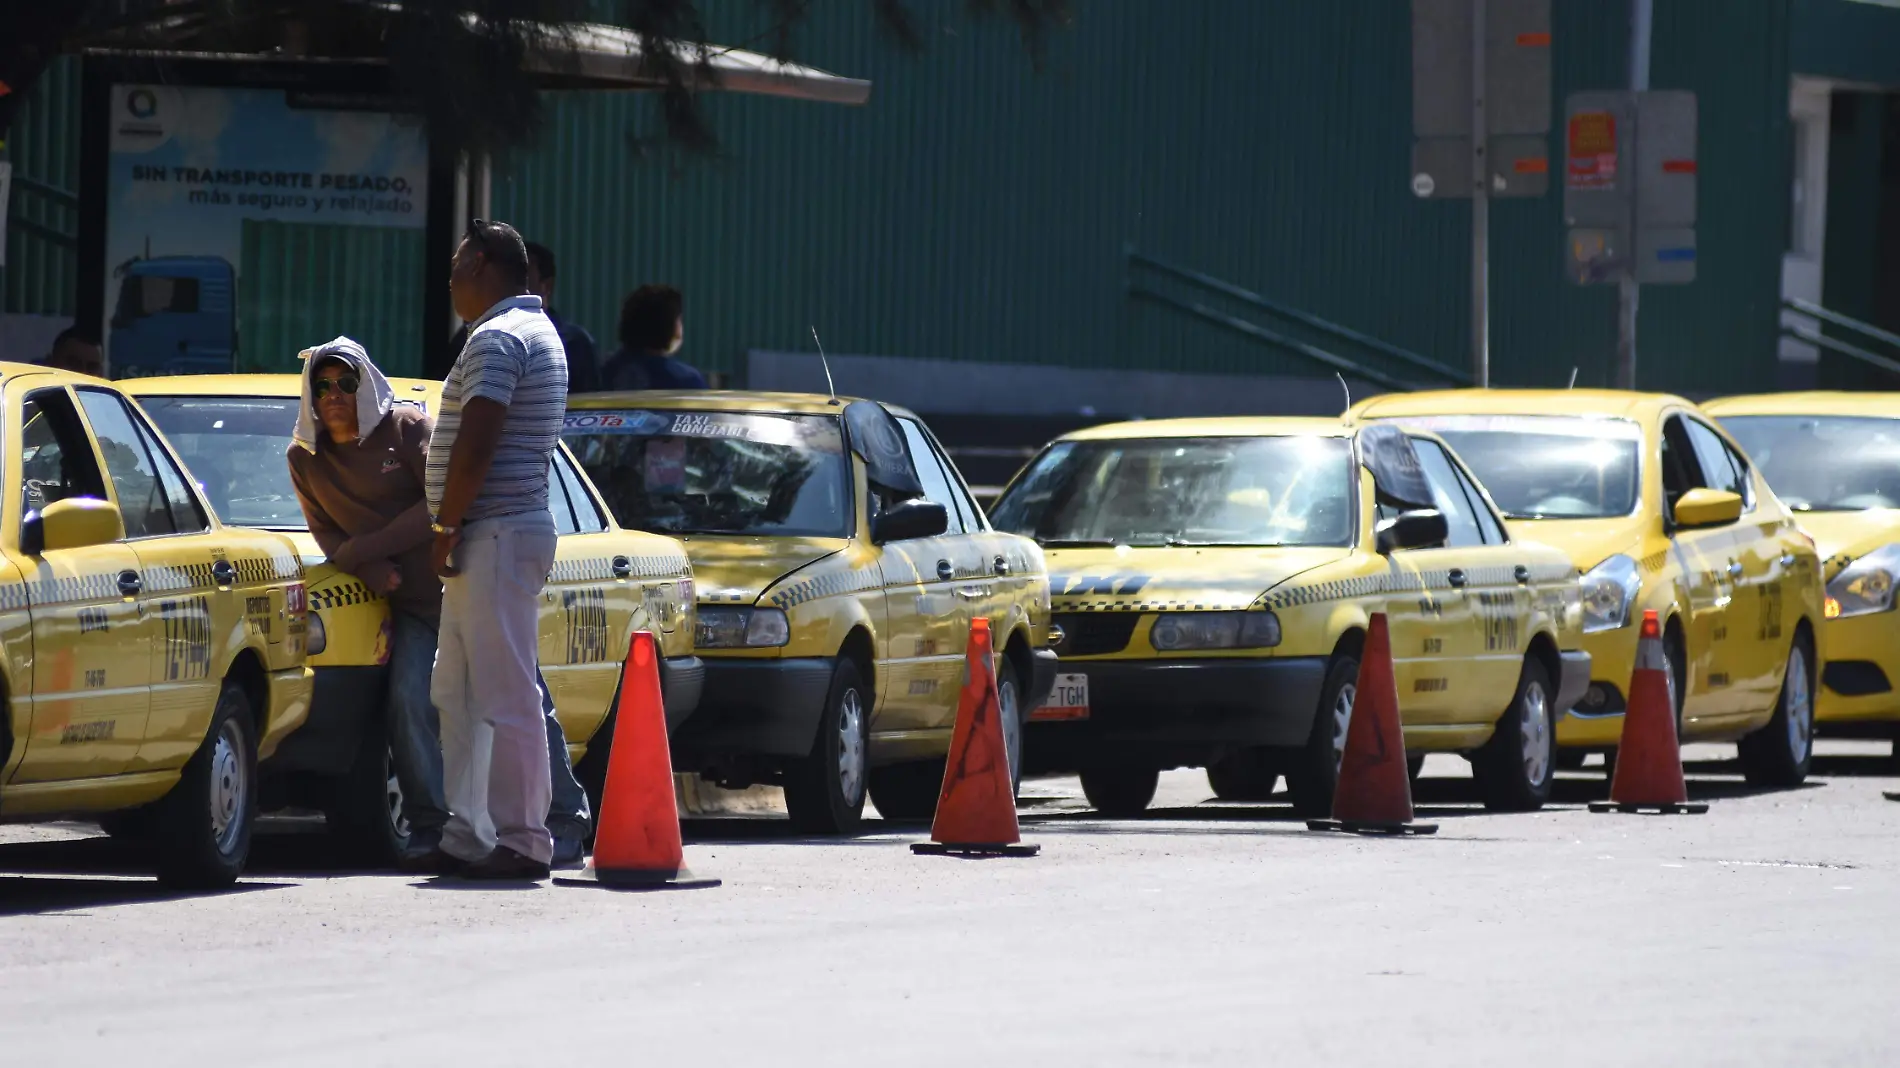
(357,461)
(487,480)
(363,498)
(652,325)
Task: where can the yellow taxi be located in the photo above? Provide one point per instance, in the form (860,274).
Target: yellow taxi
(1662,511)
(1834,458)
(1212,581)
(840,562)
(152,654)
(233,430)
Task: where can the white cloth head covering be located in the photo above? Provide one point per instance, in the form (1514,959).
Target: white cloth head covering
(374,397)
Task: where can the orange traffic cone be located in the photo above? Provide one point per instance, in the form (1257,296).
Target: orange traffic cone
(1374,794)
(976,812)
(637,837)
(1648,760)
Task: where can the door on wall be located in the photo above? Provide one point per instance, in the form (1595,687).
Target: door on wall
(1809,109)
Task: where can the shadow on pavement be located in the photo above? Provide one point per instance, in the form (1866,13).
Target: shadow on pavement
(736,830)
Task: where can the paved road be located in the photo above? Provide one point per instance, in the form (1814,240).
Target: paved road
(1767,932)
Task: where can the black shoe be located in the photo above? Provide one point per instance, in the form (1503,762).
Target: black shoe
(570,853)
(431,862)
(505,864)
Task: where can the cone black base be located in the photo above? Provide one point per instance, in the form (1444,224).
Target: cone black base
(939,849)
(1665,808)
(1891,795)
(1351,827)
(635,879)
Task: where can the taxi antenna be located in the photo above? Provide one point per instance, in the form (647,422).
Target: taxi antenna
(1573,379)
(829,384)
(1347,390)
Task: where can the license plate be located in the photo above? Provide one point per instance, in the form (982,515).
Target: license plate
(1068,700)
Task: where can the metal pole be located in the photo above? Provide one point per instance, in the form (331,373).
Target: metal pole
(1628,293)
(1480,205)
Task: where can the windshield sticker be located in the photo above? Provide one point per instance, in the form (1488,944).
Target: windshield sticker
(629,422)
(1580,426)
(666,465)
(728,426)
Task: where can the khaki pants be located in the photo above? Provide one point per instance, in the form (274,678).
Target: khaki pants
(494,740)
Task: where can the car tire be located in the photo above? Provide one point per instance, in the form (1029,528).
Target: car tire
(1315,769)
(205,822)
(1780,754)
(365,814)
(907,792)
(1246,774)
(1120,792)
(1009,702)
(1516,767)
(824,791)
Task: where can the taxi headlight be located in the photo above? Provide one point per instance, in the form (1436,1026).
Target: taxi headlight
(1609,589)
(1215,630)
(316,639)
(1865,586)
(741,628)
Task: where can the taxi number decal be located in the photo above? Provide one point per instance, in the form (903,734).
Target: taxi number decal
(1098,585)
(257,611)
(1500,620)
(1434,645)
(95,678)
(100,730)
(1430,685)
(187,638)
(922,686)
(1430,606)
(1770,625)
(92,619)
(586,613)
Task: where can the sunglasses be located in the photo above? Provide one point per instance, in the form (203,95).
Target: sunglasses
(347,384)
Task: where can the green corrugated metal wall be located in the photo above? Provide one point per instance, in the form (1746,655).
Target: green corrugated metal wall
(301,284)
(974,210)
(44,147)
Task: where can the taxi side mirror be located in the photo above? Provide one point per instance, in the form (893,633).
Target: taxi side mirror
(74,523)
(1413,530)
(1707,508)
(915,518)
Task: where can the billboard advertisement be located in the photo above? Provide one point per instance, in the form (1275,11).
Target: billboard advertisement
(241,223)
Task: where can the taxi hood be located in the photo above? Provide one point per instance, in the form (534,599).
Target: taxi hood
(1175,579)
(737,569)
(1843,537)
(1588,542)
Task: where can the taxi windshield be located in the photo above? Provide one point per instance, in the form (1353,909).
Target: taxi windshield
(1267,491)
(702,472)
(1824,463)
(234,447)
(1547,466)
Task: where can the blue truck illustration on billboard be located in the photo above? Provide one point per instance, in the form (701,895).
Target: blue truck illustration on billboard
(175,315)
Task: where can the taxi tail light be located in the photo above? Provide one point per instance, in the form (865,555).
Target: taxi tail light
(316,639)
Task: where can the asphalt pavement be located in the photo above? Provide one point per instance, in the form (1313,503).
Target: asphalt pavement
(1766,932)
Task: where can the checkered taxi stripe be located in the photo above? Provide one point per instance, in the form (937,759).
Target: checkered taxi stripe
(853,581)
(601,568)
(341,594)
(104,585)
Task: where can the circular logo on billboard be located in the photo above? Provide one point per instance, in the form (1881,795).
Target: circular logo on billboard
(141,103)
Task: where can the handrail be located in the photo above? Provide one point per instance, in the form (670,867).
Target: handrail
(50,192)
(44,233)
(1834,318)
(1247,296)
(1810,334)
(1261,333)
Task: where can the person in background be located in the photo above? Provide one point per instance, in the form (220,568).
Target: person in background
(78,351)
(652,325)
(500,421)
(583,360)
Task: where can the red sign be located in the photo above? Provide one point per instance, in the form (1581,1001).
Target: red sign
(1592,151)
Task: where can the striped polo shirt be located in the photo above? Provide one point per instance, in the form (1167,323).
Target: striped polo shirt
(513,357)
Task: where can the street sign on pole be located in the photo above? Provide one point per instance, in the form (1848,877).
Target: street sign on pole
(1480,114)
(1629,167)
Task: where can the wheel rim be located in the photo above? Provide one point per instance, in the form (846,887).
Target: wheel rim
(1799,700)
(1006,702)
(230,787)
(1342,718)
(392,802)
(1534,730)
(851,747)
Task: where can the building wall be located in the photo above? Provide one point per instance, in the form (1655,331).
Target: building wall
(977,211)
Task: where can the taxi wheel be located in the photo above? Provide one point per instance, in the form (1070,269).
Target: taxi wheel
(824,792)
(1243,775)
(1780,753)
(1315,769)
(1516,767)
(1120,792)
(907,792)
(1009,701)
(366,813)
(205,822)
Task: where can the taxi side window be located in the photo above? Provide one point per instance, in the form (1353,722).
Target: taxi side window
(1460,525)
(1488,523)
(55,459)
(1681,473)
(142,499)
(558,502)
(929,472)
(187,515)
(1721,468)
(567,494)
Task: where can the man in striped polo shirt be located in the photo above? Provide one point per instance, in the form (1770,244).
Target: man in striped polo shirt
(487,483)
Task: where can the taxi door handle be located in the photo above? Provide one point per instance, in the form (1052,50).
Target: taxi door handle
(1734,569)
(970,593)
(130,583)
(1523,573)
(622,567)
(1002,565)
(945,571)
(1457,577)
(223,573)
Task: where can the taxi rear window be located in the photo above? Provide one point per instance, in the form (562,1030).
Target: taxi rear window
(701,472)
(1547,466)
(1249,491)
(234,447)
